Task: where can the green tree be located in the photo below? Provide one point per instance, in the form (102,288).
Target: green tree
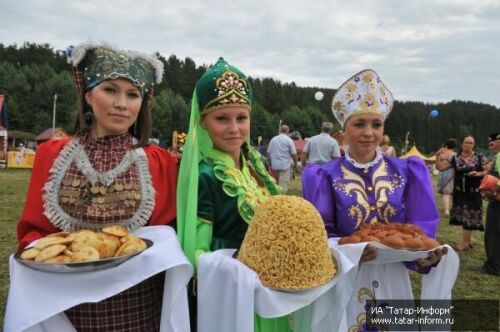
(169,112)
(262,123)
(298,120)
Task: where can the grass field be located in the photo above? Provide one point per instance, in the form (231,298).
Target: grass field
(469,285)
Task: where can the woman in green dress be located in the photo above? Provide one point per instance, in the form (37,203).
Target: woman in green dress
(222,178)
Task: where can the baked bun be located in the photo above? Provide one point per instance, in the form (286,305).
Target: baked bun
(394,235)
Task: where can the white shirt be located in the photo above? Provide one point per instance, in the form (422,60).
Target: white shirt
(321,149)
(280,150)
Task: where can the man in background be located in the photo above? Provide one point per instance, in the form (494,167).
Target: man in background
(321,148)
(492,231)
(280,154)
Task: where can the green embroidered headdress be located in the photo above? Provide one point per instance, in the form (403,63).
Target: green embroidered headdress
(95,63)
(222,86)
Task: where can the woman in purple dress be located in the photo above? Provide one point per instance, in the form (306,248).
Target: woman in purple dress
(367,187)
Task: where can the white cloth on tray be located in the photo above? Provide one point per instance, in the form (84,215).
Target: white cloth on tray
(230,293)
(387,277)
(37,299)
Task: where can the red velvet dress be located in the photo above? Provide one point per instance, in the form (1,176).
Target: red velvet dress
(137,308)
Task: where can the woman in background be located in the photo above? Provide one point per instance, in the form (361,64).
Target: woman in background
(386,148)
(445,177)
(469,168)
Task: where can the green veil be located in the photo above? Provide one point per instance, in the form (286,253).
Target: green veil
(222,86)
(187,185)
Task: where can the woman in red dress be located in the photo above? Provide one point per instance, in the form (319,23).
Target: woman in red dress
(107,174)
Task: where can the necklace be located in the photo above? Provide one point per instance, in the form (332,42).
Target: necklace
(107,178)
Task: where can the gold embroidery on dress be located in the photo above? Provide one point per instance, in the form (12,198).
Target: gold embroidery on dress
(383,184)
(383,187)
(355,185)
(365,294)
(355,212)
(359,323)
(360,320)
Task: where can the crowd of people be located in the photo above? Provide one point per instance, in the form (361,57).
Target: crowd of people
(210,200)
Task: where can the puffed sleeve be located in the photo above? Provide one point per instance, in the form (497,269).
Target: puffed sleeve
(421,208)
(163,168)
(33,224)
(316,188)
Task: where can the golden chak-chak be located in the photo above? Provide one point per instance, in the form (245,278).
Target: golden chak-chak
(287,246)
(84,246)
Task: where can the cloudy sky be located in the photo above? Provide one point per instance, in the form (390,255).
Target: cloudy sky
(426,50)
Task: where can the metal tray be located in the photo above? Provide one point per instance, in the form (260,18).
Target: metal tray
(296,290)
(80,266)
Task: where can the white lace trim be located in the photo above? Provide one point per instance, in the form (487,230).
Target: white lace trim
(73,151)
(367,165)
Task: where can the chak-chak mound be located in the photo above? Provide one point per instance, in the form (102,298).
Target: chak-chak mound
(287,246)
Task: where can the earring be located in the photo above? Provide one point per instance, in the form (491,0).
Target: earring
(88,117)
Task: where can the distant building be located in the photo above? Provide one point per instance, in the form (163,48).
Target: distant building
(58,133)
(3,146)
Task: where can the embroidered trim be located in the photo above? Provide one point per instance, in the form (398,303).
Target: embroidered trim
(231,92)
(219,107)
(62,220)
(82,49)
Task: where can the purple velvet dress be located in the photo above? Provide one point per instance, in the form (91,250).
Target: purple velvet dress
(391,190)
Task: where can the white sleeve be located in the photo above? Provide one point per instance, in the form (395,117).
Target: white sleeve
(335,150)
(292,147)
(306,147)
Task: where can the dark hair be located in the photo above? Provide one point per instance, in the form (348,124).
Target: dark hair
(464,137)
(245,150)
(451,143)
(141,128)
